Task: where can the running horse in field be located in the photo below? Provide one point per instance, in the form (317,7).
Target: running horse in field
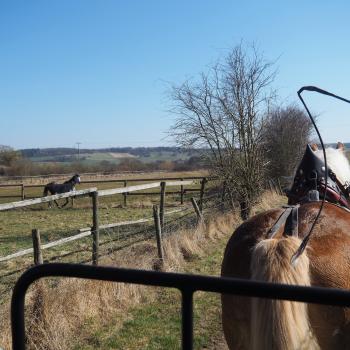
(262,249)
(67,186)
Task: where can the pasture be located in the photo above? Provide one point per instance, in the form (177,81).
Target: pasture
(54,224)
(153,314)
(126,317)
(93,157)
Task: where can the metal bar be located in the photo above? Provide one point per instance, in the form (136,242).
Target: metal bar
(187,319)
(184,282)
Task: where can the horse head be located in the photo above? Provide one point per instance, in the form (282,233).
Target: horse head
(76,179)
(310,175)
(337,162)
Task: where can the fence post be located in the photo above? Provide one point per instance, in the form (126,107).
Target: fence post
(22,192)
(274,186)
(95,228)
(158,227)
(223,194)
(197,210)
(162,203)
(182,193)
(38,257)
(203,182)
(124,194)
(280,187)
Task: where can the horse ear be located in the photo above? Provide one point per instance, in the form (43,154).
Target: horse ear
(340,146)
(314,147)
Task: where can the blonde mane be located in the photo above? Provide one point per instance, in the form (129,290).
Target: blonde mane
(338,163)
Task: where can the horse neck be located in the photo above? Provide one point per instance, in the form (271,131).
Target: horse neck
(71,181)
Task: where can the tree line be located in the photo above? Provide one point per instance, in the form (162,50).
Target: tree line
(71,152)
(12,163)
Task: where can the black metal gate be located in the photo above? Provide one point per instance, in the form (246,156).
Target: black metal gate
(187,284)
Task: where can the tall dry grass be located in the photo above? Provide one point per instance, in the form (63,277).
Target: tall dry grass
(58,310)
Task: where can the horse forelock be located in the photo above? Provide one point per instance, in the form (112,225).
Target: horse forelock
(338,163)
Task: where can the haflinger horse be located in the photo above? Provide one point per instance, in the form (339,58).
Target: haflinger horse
(67,186)
(260,249)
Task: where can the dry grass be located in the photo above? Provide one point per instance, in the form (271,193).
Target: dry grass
(268,200)
(59,309)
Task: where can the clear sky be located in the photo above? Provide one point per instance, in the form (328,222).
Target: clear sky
(97,72)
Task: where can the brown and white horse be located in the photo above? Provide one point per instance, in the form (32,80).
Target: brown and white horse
(283,325)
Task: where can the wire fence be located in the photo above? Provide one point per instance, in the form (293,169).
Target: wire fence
(112,240)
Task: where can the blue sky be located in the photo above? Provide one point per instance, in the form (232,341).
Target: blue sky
(97,72)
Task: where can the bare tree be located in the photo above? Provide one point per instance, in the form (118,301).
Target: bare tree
(9,156)
(286,133)
(224,112)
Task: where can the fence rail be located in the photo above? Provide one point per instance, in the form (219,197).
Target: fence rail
(83,232)
(22,187)
(30,202)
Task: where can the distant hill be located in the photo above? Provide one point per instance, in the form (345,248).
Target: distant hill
(112,154)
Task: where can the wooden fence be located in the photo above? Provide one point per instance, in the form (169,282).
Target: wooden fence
(21,188)
(93,231)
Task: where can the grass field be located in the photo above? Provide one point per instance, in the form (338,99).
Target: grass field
(16,226)
(157,325)
(97,157)
(110,316)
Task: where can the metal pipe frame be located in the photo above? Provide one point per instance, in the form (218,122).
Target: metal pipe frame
(187,284)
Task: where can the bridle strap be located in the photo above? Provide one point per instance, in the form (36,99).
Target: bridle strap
(289,217)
